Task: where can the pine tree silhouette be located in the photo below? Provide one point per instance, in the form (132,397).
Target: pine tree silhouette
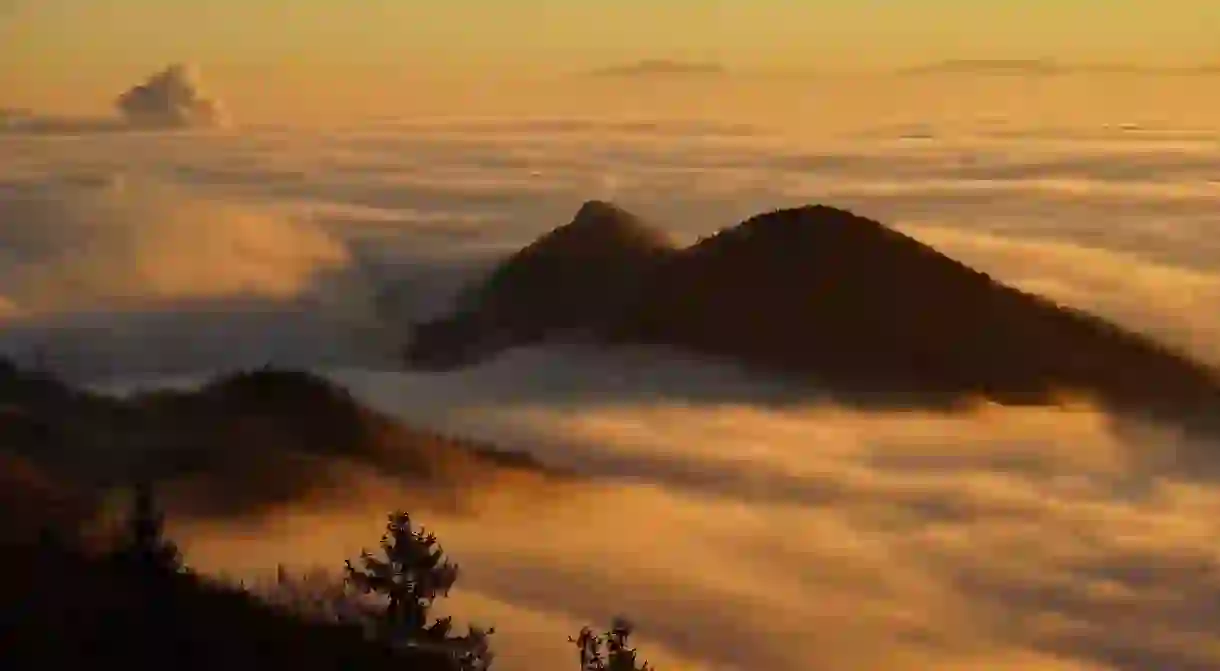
(411,575)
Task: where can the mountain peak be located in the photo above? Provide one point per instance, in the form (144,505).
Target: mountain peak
(605,214)
(813,232)
(822,218)
(600,208)
(600,225)
(581,273)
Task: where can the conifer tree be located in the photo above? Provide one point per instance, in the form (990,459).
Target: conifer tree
(411,574)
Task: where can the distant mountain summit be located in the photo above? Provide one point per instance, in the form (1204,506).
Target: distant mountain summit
(599,230)
(822,293)
(574,278)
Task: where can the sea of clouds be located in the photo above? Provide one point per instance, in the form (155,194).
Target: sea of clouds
(741,526)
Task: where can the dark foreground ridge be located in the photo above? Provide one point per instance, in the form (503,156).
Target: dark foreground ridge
(137,605)
(63,608)
(239,445)
(81,588)
(822,293)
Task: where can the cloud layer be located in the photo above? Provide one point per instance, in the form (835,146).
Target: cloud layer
(1007,538)
(742,527)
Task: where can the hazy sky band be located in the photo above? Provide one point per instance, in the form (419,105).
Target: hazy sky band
(75,54)
(781,33)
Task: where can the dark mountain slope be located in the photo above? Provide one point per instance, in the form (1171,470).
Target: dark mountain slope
(241,443)
(861,309)
(576,277)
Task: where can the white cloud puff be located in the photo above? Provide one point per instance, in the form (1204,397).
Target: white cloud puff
(171,98)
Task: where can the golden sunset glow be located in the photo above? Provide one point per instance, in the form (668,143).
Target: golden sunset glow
(329,59)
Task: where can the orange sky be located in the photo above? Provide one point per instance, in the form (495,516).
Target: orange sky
(270,57)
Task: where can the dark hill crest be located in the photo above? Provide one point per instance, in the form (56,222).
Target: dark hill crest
(850,304)
(241,444)
(572,278)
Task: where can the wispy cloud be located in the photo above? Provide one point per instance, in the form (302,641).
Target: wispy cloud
(662,68)
(1049,67)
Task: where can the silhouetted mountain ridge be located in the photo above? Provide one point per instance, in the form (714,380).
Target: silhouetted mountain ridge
(240,443)
(858,307)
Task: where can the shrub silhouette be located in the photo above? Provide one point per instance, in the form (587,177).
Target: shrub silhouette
(609,651)
(412,575)
(317,596)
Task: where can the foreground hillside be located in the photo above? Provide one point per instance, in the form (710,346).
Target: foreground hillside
(839,299)
(73,594)
(238,445)
(61,608)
